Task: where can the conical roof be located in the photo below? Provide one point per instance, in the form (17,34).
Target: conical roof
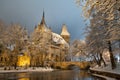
(42,26)
(64,30)
(43,19)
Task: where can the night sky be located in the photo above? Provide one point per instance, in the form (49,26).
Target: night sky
(28,13)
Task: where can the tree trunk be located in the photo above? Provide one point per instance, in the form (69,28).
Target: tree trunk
(101,59)
(15,65)
(119,43)
(97,61)
(113,65)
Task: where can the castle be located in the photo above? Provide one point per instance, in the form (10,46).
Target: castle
(54,46)
(45,46)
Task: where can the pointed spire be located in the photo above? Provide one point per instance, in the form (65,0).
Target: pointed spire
(43,18)
(43,14)
(35,26)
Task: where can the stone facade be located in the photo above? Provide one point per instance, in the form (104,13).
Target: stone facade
(55,45)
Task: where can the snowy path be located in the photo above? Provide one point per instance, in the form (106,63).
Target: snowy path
(107,71)
(107,78)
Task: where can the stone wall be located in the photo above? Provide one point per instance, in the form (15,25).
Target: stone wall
(65,65)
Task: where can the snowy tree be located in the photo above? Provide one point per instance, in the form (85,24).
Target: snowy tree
(15,40)
(95,41)
(1,35)
(77,48)
(16,36)
(107,13)
(41,41)
(12,41)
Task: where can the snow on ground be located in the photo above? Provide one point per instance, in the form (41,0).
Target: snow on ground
(38,69)
(107,68)
(107,78)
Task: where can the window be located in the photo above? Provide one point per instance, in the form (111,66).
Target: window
(1,59)
(5,59)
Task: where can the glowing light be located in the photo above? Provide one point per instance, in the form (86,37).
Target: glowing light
(23,60)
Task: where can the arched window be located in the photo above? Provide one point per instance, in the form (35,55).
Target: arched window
(5,59)
(1,59)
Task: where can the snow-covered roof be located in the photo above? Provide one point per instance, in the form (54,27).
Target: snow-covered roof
(59,40)
(64,30)
(55,37)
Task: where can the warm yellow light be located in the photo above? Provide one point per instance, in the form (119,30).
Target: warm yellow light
(23,60)
(24,79)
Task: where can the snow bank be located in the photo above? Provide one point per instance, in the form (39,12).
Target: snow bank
(107,78)
(38,69)
(107,68)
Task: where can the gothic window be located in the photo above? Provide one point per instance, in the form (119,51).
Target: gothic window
(1,59)
(5,59)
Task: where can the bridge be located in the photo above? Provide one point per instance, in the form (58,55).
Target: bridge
(66,65)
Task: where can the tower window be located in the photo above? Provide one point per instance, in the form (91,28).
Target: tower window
(1,59)
(5,59)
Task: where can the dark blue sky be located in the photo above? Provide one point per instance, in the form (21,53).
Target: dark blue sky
(57,12)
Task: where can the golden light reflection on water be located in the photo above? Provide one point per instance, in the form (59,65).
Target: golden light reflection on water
(55,75)
(24,79)
(23,76)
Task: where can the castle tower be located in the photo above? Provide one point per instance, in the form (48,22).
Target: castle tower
(65,34)
(42,26)
(43,19)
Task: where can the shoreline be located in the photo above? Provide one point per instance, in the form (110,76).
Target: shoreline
(105,74)
(39,69)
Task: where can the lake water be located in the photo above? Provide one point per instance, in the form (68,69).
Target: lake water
(54,75)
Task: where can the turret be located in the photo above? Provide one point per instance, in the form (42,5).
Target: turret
(65,34)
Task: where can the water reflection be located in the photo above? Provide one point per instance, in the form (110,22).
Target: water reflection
(55,75)
(24,79)
(23,76)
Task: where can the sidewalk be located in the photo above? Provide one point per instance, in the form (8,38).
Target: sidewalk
(106,71)
(105,77)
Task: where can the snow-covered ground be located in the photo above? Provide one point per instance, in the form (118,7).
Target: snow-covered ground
(107,69)
(38,69)
(105,77)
